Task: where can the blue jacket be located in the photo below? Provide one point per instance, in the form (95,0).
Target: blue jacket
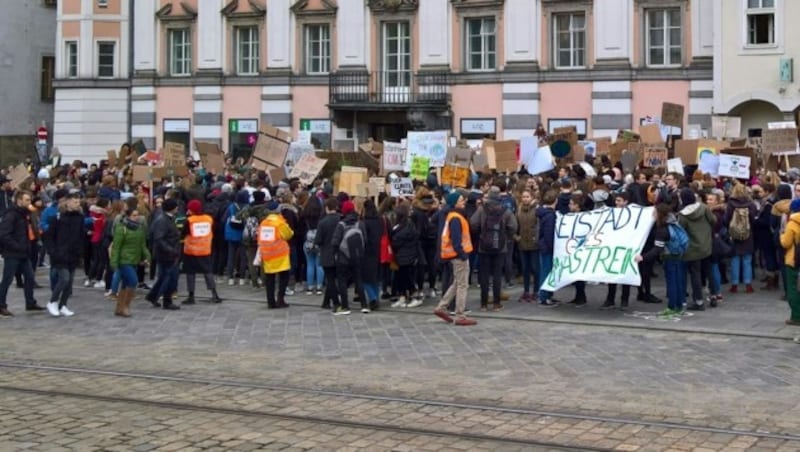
(547,228)
(231,234)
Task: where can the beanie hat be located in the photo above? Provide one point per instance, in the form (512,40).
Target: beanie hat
(243,197)
(273,205)
(169,205)
(687,197)
(348,207)
(194,206)
(452,198)
(259,196)
(795,205)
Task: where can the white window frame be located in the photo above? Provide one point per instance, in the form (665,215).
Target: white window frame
(572,31)
(484,52)
(115,58)
(324,58)
(254,57)
(71,51)
(779,20)
(184,65)
(667,44)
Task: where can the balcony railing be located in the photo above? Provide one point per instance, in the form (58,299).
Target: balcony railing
(389,88)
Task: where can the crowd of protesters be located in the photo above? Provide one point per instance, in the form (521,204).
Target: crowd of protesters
(241,228)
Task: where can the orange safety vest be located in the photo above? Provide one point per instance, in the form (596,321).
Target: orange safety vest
(448,250)
(201,234)
(270,244)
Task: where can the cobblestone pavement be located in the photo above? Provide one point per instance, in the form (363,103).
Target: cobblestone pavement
(565,361)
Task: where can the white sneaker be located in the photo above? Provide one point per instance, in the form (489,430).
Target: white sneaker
(100,285)
(365,310)
(400,303)
(433,293)
(66,312)
(88,283)
(52,308)
(289,292)
(231,282)
(415,302)
(242,281)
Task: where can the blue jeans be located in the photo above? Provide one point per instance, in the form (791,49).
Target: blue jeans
(529,261)
(714,281)
(545,267)
(371,291)
(314,272)
(167,281)
(737,262)
(127,276)
(675,275)
(63,287)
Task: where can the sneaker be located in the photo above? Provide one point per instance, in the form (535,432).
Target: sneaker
(5,313)
(580,303)
(365,310)
(695,307)
(547,303)
(66,312)
(52,308)
(34,308)
(310,291)
(400,303)
(464,321)
(385,296)
(289,292)
(415,303)
(433,293)
(712,301)
(88,283)
(497,307)
(231,281)
(442,315)
(143,286)
(319,291)
(609,304)
(341,311)
(100,285)
(510,285)
(667,313)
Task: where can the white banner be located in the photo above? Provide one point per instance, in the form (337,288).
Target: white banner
(394,156)
(432,145)
(599,246)
(737,166)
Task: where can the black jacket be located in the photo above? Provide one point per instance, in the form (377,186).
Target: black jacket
(6,201)
(338,235)
(63,239)
(166,240)
(371,264)
(14,240)
(324,239)
(405,243)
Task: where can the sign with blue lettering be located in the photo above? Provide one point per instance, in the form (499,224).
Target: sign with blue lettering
(599,245)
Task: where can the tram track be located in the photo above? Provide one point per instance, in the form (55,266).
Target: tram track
(338,405)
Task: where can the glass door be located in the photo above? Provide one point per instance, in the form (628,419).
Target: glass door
(396,75)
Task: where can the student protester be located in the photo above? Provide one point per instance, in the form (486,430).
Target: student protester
(496,228)
(371,266)
(621,202)
(16,232)
(406,248)
(762,234)
(719,249)
(167,253)
(327,251)
(64,251)
(578,204)
(197,247)
(547,227)
(456,245)
(790,240)
(273,253)
(698,221)
(527,239)
(310,217)
(740,215)
(129,252)
(674,267)
(350,237)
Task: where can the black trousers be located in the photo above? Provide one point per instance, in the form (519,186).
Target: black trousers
(269,282)
(491,266)
(612,292)
(331,297)
(344,274)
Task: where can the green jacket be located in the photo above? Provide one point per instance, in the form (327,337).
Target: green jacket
(698,221)
(129,246)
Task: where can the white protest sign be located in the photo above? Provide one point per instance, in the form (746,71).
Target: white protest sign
(402,187)
(675,165)
(432,145)
(599,245)
(709,164)
(296,151)
(737,166)
(394,156)
(539,160)
(307,168)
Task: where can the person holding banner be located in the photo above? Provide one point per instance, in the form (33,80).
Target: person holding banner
(456,245)
(621,201)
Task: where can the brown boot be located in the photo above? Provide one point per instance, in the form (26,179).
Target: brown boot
(126,310)
(120,303)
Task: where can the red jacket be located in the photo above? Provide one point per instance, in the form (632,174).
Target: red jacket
(99,225)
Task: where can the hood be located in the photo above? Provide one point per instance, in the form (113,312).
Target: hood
(350,218)
(545,212)
(781,207)
(421,205)
(795,218)
(600,195)
(130,224)
(285,206)
(693,211)
(739,202)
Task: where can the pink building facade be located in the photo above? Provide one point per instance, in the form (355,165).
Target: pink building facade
(215,70)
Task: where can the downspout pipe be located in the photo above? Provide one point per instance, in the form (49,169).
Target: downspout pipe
(131,38)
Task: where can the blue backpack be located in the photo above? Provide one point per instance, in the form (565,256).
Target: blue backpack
(678,240)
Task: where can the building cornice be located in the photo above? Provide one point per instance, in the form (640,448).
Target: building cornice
(231,10)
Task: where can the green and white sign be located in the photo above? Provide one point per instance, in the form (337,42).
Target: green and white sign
(315,125)
(243,125)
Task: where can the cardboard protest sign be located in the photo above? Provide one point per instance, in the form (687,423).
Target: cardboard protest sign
(307,168)
(174,155)
(454,176)
(505,153)
(367,190)
(276,175)
(211,155)
(18,175)
(651,134)
(726,127)
(271,148)
(628,135)
(630,159)
(615,150)
(152,156)
(459,156)
(734,166)
(599,245)
(350,177)
(655,157)
(112,157)
(687,151)
(144,173)
(419,167)
(379,183)
(710,146)
(487,150)
(603,146)
(675,165)
(778,140)
(394,157)
(672,114)
(578,153)
(480,162)
(401,187)
(432,145)
(568,134)
(295,152)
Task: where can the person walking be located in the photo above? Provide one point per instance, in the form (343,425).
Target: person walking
(64,251)
(456,244)
(129,251)
(197,247)
(273,253)
(16,232)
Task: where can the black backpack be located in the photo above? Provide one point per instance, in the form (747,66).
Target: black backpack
(493,230)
